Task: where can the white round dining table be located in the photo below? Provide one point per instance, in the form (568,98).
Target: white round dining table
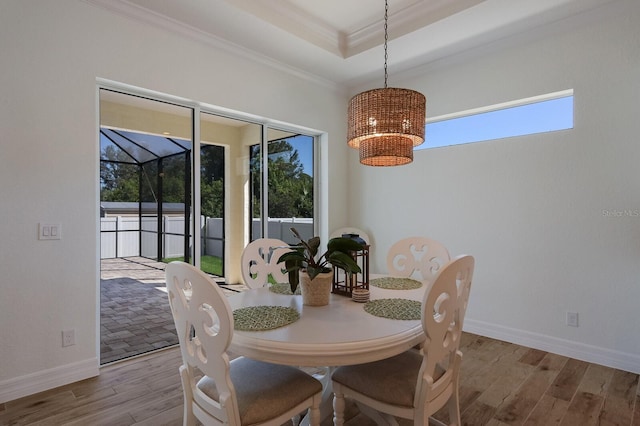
(340,333)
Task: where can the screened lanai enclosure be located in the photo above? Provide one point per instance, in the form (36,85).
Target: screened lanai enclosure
(146,198)
(151,171)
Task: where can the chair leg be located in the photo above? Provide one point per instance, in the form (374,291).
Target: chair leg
(314,412)
(454,409)
(338,405)
(454,400)
(188,418)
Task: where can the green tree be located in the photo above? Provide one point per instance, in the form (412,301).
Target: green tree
(130,182)
(212,180)
(290,189)
(211,196)
(119,177)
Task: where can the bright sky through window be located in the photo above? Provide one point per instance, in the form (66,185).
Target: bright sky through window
(524,119)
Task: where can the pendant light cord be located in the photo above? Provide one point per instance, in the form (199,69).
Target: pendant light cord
(386,37)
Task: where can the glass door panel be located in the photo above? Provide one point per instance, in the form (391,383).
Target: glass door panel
(212,203)
(224,190)
(145,174)
(145,209)
(291,185)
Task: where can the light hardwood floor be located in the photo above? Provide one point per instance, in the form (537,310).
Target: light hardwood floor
(501,384)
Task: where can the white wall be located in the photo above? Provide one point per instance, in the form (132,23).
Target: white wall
(52,53)
(530,209)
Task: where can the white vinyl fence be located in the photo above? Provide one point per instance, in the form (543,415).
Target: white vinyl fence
(126,241)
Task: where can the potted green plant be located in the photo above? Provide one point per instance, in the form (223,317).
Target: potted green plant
(314,268)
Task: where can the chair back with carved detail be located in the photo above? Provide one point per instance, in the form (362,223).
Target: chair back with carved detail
(220,391)
(259,260)
(444,309)
(204,323)
(420,258)
(416,384)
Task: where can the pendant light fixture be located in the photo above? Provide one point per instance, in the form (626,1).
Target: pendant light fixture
(385,124)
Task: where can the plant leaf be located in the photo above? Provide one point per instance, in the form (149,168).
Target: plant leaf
(343,244)
(313,244)
(296,233)
(293,268)
(292,256)
(343,261)
(315,271)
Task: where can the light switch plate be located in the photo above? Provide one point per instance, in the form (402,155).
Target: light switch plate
(49,231)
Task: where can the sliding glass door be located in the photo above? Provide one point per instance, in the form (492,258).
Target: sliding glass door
(145,218)
(181,182)
(289,198)
(203,202)
(145,177)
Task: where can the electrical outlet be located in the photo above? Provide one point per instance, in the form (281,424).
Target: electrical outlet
(572,319)
(68,337)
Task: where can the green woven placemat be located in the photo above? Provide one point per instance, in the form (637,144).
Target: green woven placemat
(283,288)
(396,283)
(260,318)
(401,309)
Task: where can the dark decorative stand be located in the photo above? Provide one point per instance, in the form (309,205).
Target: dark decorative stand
(344,283)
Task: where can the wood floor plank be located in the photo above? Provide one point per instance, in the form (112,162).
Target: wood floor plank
(510,378)
(467,397)
(583,410)
(110,407)
(109,377)
(522,402)
(482,367)
(35,407)
(156,375)
(533,357)
(567,381)
(118,419)
(548,412)
(596,379)
(146,391)
(494,422)
(619,403)
(477,414)
(170,417)
(636,411)
(156,406)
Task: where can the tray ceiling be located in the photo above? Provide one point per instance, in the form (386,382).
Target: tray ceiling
(340,41)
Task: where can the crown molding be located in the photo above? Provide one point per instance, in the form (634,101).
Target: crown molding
(143,15)
(284,15)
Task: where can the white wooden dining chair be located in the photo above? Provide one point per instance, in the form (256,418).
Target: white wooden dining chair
(415,385)
(420,258)
(237,392)
(259,259)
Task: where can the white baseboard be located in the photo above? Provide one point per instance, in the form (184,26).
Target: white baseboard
(29,384)
(594,354)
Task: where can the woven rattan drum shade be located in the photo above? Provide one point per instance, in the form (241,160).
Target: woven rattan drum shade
(390,121)
(386,151)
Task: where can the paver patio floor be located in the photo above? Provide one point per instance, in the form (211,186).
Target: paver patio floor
(134,310)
